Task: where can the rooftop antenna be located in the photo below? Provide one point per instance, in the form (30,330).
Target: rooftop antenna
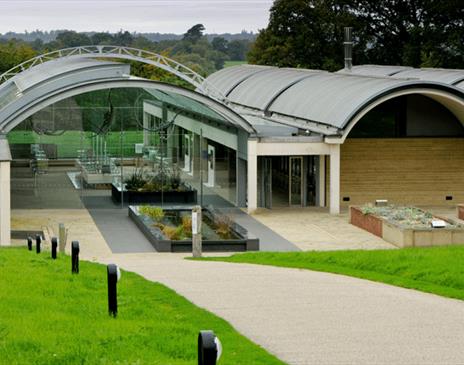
(348,48)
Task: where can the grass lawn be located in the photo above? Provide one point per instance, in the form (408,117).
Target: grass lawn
(71,141)
(438,270)
(49,316)
(234,63)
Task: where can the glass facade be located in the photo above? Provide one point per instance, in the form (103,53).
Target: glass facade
(110,148)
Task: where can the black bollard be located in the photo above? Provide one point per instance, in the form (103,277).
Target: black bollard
(54,247)
(112,270)
(75,257)
(38,241)
(207,348)
(29,243)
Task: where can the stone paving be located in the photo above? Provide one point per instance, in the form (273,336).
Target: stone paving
(316,229)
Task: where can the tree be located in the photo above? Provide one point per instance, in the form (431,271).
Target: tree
(70,38)
(219,44)
(194,34)
(13,53)
(309,33)
(303,33)
(238,49)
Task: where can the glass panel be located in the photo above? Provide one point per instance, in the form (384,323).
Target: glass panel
(109,148)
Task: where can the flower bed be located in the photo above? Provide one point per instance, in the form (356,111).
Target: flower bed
(169,230)
(406,226)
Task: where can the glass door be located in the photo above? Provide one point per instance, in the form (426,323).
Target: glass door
(296,181)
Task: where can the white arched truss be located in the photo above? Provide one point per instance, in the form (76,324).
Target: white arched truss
(119,52)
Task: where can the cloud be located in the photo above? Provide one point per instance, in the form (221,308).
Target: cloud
(174,16)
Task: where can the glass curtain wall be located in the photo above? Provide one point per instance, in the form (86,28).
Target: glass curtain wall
(110,148)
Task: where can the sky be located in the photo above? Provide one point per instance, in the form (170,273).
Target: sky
(163,16)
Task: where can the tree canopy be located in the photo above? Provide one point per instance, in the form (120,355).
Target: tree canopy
(309,33)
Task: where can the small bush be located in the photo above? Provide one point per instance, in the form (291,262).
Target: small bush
(155,213)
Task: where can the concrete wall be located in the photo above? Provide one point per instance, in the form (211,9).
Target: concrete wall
(422,171)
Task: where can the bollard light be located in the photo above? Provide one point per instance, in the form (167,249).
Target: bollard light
(54,247)
(38,241)
(209,348)
(75,257)
(114,275)
(29,243)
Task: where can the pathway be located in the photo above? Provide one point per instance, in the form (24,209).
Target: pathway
(307,317)
(316,229)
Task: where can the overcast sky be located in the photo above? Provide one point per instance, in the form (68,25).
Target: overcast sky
(164,16)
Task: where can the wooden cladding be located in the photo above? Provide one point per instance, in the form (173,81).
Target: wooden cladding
(418,171)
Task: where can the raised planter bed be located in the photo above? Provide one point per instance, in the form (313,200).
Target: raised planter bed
(241,242)
(403,235)
(187,196)
(461,211)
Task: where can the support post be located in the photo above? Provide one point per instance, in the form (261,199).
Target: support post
(54,247)
(75,257)
(335,179)
(252,176)
(38,241)
(62,237)
(321,184)
(5,206)
(113,277)
(196,232)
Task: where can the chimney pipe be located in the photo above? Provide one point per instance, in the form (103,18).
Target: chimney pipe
(348,48)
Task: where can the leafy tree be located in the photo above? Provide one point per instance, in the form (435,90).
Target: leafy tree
(70,38)
(303,33)
(219,44)
(194,34)
(13,53)
(102,38)
(309,33)
(237,50)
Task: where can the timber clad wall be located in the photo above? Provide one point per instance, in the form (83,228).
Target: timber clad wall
(420,171)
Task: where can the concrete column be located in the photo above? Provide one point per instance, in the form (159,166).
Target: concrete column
(335,179)
(146,126)
(241,182)
(5,206)
(252,176)
(321,181)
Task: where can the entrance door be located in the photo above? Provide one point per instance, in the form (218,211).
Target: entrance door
(267,182)
(296,181)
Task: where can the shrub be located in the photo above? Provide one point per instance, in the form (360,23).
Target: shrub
(155,213)
(187,225)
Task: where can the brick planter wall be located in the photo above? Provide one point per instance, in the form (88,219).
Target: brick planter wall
(461,211)
(367,222)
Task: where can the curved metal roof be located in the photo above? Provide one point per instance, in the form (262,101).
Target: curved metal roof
(322,102)
(446,76)
(45,81)
(228,78)
(260,89)
(375,70)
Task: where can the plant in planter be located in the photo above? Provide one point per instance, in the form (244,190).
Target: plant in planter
(155,213)
(223,226)
(136,181)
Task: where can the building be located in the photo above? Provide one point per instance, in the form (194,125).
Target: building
(249,136)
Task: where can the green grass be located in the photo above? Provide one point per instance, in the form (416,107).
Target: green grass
(49,316)
(71,141)
(438,270)
(234,63)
